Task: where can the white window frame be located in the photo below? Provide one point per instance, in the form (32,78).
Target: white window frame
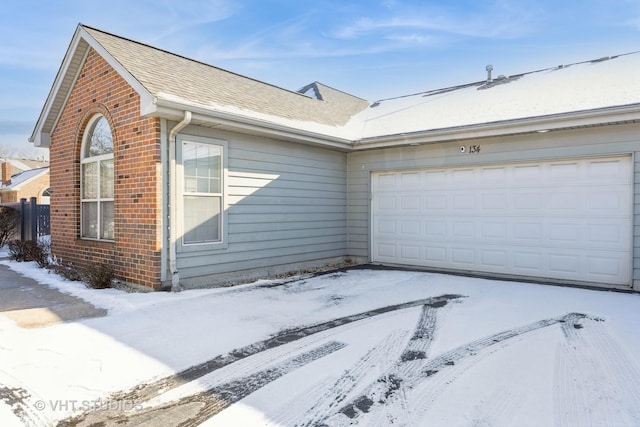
(222,243)
(87,159)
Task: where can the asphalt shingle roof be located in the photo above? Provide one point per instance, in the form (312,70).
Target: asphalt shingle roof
(165,74)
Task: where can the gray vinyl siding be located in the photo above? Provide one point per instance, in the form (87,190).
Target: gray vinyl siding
(286,206)
(602,141)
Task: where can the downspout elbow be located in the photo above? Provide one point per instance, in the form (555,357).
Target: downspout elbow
(173,199)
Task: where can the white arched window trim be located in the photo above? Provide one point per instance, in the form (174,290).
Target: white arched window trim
(97,181)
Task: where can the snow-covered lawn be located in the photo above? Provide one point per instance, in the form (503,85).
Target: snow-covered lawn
(363,347)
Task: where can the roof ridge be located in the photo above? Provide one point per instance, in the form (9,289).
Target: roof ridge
(481,82)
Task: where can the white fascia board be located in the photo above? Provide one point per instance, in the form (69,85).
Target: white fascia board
(38,137)
(597,117)
(174,111)
(41,137)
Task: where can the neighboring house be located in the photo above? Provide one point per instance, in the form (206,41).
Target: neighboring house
(180,173)
(17,183)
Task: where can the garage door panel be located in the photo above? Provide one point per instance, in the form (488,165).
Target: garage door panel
(464,201)
(436,229)
(528,231)
(410,180)
(410,252)
(608,170)
(494,230)
(527,263)
(564,263)
(386,226)
(607,201)
(604,266)
(495,201)
(565,219)
(494,258)
(436,201)
(410,202)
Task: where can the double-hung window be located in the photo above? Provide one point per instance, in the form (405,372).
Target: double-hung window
(202,192)
(96,200)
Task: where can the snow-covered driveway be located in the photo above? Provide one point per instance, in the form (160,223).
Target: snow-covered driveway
(361,347)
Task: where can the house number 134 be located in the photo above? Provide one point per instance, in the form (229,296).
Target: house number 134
(471,149)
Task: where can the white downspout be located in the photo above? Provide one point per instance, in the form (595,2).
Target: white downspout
(173,200)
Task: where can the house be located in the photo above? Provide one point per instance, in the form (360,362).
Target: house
(23,179)
(183,174)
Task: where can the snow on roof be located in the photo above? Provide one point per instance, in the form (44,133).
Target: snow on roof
(581,87)
(598,84)
(22,177)
(324,113)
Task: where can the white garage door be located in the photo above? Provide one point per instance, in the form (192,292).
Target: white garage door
(566,219)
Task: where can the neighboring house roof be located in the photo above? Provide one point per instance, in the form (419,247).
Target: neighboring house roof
(21,165)
(23,178)
(592,93)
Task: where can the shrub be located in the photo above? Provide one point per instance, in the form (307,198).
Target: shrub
(98,276)
(9,221)
(27,250)
(66,270)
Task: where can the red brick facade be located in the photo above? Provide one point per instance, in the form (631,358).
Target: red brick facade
(136,252)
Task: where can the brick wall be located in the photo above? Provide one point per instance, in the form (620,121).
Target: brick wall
(9,196)
(34,188)
(136,252)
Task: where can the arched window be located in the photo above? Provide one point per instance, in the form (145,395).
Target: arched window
(45,197)
(96,213)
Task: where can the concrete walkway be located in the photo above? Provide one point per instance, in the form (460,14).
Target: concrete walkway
(31,304)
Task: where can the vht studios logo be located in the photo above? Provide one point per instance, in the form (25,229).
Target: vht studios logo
(87,405)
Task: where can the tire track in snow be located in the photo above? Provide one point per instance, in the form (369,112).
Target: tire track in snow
(389,387)
(445,369)
(150,390)
(147,392)
(193,410)
(498,409)
(22,404)
(597,383)
(16,399)
(310,407)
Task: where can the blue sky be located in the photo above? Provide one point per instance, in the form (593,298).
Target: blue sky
(373,49)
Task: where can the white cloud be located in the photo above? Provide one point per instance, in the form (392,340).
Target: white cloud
(411,39)
(496,21)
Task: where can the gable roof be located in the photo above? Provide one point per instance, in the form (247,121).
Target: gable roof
(169,84)
(592,93)
(21,165)
(24,177)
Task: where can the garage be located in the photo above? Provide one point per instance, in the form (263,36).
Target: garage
(568,220)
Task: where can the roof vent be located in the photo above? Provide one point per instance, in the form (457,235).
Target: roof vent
(489,69)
